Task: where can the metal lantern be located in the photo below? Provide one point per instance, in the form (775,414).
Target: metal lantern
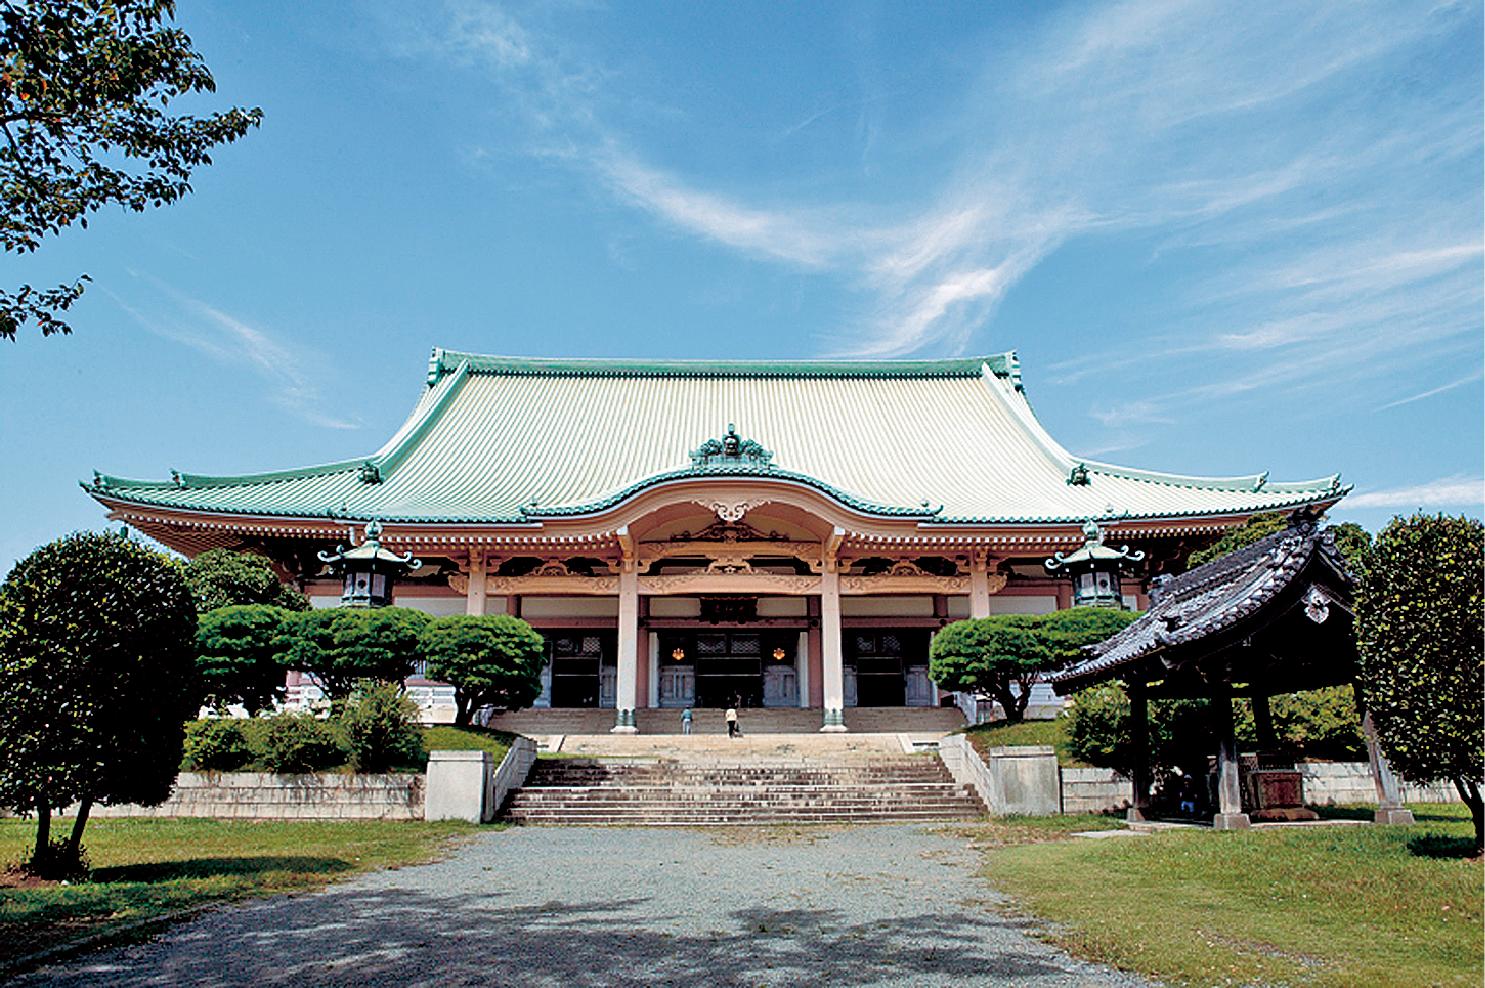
(369,570)
(1095,569)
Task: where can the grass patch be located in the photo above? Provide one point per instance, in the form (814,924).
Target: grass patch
(144,869)
(1003,735)
(1339,905)
(445,737)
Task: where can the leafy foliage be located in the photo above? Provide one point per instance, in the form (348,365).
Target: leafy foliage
(490,660)
(1239,538)
(342,646)
(296,743)
(237,656)
(219,745)
(1314,723)
(1006,654)
(381,729)
(97,678)
(85,87)
(1420,629)
(221,578)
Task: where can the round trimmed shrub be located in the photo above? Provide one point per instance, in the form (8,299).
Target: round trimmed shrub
(381,729)
(295,743)
(217,745)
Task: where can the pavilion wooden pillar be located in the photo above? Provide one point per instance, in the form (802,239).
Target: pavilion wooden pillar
(1263,723)
(1139,733)
(1390,808)
(1230,815)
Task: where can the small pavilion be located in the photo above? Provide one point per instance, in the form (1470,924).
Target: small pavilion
(1272,618)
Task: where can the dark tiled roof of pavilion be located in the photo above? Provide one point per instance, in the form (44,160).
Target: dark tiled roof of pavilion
(1211,599)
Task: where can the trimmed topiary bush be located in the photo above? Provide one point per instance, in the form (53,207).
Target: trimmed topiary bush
(295,743)
(381,729)
(217,745)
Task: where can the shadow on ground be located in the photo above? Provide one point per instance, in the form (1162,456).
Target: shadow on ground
(412,938)
(165,871)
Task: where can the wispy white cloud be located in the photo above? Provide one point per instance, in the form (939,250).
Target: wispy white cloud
(1441,389)
(1253,131)
(1445,492)
(231,341)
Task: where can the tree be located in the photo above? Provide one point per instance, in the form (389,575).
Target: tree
(1067,632)
(1234,539)
(343,645)
(1006,654)
(85,89)
(381,729)
(992,655)
(490,660)
(97,680)
(222,577)
(1419,630)
(237,656)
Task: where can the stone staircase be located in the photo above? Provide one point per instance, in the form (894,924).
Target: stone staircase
(777,720)
(700,782)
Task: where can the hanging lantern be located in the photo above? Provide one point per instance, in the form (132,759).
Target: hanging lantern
(678,654)
(369,571)
(1094,569)
(779,653)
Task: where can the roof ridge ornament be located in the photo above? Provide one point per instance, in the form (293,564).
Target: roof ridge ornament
(731,450)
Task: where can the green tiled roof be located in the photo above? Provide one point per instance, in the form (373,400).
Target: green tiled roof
(511,440)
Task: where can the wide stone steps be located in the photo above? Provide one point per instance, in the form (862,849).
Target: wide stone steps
(801,789)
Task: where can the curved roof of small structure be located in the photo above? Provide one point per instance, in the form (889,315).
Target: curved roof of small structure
(1205,602)
(512,439)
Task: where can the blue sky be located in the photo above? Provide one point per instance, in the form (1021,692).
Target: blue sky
(1223,238)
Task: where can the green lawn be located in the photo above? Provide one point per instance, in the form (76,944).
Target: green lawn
(152,868)
(447,738)
(1003,735)
(1341,905)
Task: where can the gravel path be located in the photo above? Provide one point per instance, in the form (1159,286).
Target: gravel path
(574,906)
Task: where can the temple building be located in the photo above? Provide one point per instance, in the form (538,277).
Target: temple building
(788,533)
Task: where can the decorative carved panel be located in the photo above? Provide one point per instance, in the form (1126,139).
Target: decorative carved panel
(706,581)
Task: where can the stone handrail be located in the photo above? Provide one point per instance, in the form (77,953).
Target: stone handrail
(511,774)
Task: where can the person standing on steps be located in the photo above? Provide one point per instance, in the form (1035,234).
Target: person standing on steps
(731,715)
(686,721)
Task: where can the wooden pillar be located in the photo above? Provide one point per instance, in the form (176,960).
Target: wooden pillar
(1390,808)
(474,601)
(1263,723)
(1230,815)
(1139,733)
(832,662)
(815,656)
(642,656)
(979,587)
(627,673)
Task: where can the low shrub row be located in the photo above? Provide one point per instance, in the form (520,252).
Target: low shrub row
(375,731)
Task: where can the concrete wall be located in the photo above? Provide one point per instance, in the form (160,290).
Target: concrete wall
(1020,780)
(261,796)
(1335,783)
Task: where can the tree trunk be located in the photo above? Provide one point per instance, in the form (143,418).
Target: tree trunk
(1013,706)
(462,709)
(74,841)
(1469,791)
(41,857)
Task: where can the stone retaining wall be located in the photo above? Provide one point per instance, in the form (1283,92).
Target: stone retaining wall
(1095,790)
(262,796)
(1332,783)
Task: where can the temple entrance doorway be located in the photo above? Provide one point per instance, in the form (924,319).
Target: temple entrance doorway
(720,668)
(580,668)
(887,668)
